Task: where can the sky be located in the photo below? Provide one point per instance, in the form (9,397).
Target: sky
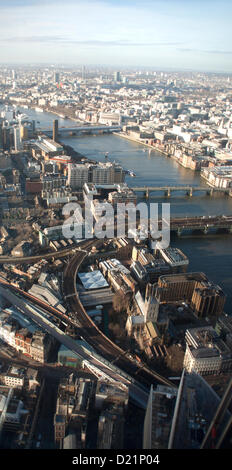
(168,34)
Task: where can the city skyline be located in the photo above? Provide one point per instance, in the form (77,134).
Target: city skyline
(171,34)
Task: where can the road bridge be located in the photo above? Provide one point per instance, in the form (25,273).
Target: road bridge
(79,130)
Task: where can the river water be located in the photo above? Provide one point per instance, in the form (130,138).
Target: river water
(211,254)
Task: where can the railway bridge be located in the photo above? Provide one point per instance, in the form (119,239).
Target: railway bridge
(206,224)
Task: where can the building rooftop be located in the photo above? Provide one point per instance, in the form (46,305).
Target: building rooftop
(93,280)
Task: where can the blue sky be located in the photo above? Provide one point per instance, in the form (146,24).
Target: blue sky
(175,34)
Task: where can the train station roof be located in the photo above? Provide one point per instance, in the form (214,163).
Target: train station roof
(93,280)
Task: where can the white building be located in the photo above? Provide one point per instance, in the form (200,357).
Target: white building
(17,139)
(14,378)
(218,177)
(205,352)
(203,361)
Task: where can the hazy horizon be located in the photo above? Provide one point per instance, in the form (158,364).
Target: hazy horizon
(171,34)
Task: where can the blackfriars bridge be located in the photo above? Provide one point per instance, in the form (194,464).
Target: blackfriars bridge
(79,130)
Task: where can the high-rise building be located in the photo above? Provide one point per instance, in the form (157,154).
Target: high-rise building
(117,77)
(24,132)
(56,77)
(55,130)
(6,138)
(175,287)
(17,139)
(33,126)
(1,135)
(208,301)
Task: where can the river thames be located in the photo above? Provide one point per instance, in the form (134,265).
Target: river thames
(211,254)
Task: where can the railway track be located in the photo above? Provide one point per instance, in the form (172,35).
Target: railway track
(95,337)
(89,331)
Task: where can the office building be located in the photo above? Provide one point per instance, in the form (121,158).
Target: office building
(78,174)
(1,135)
(56,77)
(117,77)
(204,297)
(175,258)
(7,138)
(100,173)
(206,353)
(178,286)
(208,300)
(17,139)
(11,409)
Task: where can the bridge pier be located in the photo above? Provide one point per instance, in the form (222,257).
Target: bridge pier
(147,194)
(190,192)
(210,192)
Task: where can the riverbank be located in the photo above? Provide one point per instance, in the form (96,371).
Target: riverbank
(77,156)
(163,152)
(40,109)
(132,139)
(61,115)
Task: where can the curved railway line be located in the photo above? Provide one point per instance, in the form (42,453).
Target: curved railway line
(95,337)
(89,331)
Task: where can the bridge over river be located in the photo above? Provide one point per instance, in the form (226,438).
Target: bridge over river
(203,223)
(79,130)
(189,190)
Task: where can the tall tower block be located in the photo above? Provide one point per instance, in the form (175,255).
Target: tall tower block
(55,130)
